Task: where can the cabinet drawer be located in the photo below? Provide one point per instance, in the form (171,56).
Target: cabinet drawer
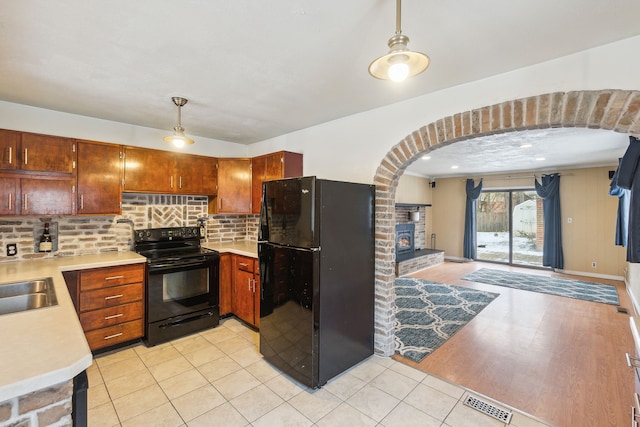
(111,276)
(245,264)
(109,297)
(111,316)
(105,337)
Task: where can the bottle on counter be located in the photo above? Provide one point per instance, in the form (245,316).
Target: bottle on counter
(45,240)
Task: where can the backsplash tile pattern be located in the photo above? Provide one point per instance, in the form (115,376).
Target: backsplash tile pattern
(90,235)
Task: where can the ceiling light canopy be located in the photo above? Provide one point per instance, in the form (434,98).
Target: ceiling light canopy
(178,138)
(400,62)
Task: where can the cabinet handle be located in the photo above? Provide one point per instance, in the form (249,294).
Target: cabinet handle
(254,285)
(171,181)
(113,317)
(113,297)
(25,203)
(244,264)
(10,155)
(10,194)
(113,277)
(81,201)
(249,283)
(26,156)
(632,362)
(108,337)
(180,182)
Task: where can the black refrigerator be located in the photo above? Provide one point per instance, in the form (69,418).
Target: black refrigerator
(316,256)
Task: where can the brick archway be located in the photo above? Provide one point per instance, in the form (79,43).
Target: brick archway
(616,110)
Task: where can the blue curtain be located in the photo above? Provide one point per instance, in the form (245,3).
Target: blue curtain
(549,191)
(622,219)
(469,248)
(629,178)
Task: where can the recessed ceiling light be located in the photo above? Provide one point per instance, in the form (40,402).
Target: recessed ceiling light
(426,157)
(539,159)
(454,167)
(526,146)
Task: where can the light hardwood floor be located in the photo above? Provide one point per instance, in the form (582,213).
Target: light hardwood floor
(559,359)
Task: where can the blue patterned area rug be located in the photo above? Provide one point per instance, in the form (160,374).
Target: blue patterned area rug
(569,288)
(429,313)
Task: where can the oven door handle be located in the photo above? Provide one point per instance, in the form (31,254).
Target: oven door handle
(172,265)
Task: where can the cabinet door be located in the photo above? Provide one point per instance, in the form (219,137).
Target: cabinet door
(9,145)
(148,171)
(99,178)
(208,170)
(258,173)
(188,179)
(45,153)
(47,196)
(256,299)
(226,283)
(8,196)
(278,165)
(243,300)
(234,186)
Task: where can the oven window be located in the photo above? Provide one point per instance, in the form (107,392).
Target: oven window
(185,284)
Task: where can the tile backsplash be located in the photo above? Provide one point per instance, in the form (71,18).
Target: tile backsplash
(89,235)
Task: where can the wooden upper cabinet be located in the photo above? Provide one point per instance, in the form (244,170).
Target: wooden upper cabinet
(148,171)
(166,172)
(45,153)
(208,168)
(100,171)
(9,144)
(9,203)
(34,153)
(234,187)
(196,174)
(47,196)
(282,164)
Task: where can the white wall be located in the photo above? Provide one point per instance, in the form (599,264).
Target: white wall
(39,120)
(364,139)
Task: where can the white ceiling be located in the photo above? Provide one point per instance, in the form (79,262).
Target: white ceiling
(544,150)
(253,70)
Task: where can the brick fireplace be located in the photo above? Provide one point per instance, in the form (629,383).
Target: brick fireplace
(412,253)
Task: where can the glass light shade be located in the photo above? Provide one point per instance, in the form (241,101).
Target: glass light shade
(178,138)
(384,68)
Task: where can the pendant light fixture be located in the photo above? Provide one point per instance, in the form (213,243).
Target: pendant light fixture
(400,62)
(178,138)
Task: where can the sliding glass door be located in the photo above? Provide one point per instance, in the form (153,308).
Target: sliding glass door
(509,227)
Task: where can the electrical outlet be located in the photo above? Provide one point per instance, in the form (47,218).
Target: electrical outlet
(12,249)
(594,264)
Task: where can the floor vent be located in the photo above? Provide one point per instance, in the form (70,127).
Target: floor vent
(622,310)
(489,409)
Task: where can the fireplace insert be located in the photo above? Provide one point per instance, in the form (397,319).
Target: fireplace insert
(405,238)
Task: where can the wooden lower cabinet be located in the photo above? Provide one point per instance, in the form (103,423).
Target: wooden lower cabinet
(110,303)
(226,283)
(246,290)
(117,334)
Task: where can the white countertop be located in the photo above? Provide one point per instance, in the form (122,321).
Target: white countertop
(46,346)
(244,247)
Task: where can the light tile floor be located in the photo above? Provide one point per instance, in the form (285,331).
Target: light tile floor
(218,378)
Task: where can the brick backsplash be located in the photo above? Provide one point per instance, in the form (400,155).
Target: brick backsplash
(90,235)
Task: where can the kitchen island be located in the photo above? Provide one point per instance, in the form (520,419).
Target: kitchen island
(46,347)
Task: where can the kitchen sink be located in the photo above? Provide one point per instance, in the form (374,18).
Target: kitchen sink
(27,295)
